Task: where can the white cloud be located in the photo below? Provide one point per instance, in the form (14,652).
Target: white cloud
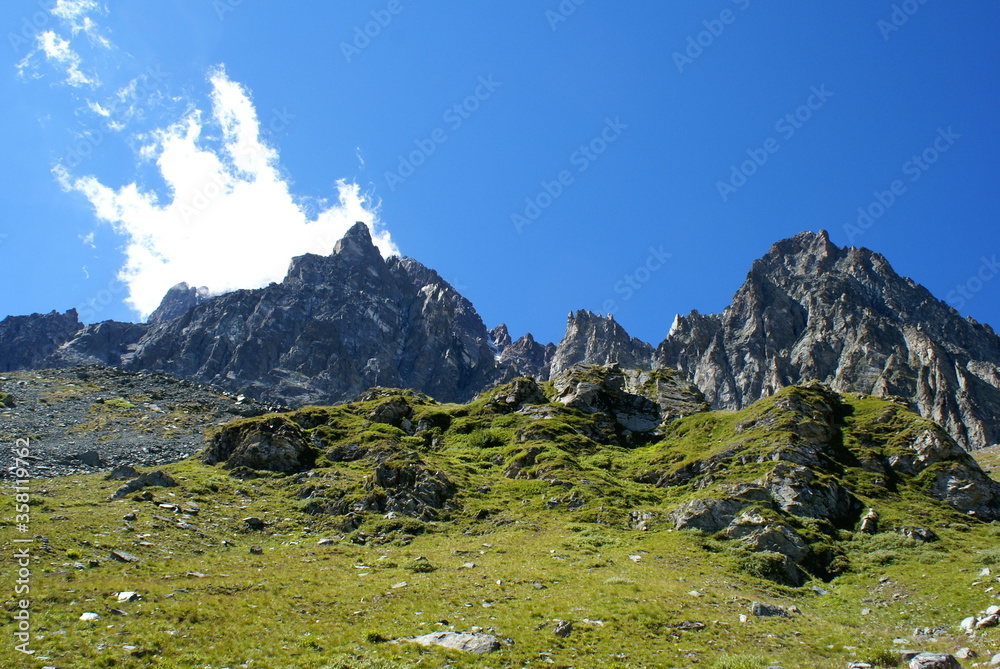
(229,221)
(71,10)
(60,55)
(98,109)
(56,49)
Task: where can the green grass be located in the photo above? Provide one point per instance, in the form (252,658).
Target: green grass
(207,600)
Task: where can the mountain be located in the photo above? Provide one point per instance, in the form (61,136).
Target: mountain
(334,327)
(339,324)
(811,310)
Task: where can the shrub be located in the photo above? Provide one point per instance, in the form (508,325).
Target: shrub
(883,657)
(372,636)
(119,403)
(486,438)
(763,564)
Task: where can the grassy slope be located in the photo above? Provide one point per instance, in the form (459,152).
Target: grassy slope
(301,604)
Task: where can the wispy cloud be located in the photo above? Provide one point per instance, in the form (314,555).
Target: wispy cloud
(228,219)
(58,53)
(54,46)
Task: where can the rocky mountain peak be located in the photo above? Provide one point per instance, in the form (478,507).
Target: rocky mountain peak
(500,337)
(177,302)
(807,253)
(598,340)
(357,242)
(811,310)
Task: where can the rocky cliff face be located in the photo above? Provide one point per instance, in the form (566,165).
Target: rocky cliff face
(810,310)
(597,340)
(340,324)
(589,339)
(26,341)
(334,327)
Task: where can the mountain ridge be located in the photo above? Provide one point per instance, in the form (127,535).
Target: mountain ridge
(338,324)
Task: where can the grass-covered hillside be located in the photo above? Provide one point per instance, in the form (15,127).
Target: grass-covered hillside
(601,519)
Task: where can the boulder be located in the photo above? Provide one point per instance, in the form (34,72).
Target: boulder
(563,629)
(934,661)
(149,479)
(869,522)
(918,534)
(407,488)
(476,643)
(705,514)
(90,458)
(392,412)
(637,401)
(761,534)
(273,444)
(122,473)
(963,486)
(517,393)
(761,610)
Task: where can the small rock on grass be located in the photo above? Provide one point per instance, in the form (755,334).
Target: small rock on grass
(988,621)
(934,661)
(563,629)
(155,478)
(761,610)
(122,473)
(89,616)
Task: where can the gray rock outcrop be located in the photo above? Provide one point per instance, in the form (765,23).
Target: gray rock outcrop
(276,444)
(636,401)
(27,341)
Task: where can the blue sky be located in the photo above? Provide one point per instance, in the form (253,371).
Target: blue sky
(631,158)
